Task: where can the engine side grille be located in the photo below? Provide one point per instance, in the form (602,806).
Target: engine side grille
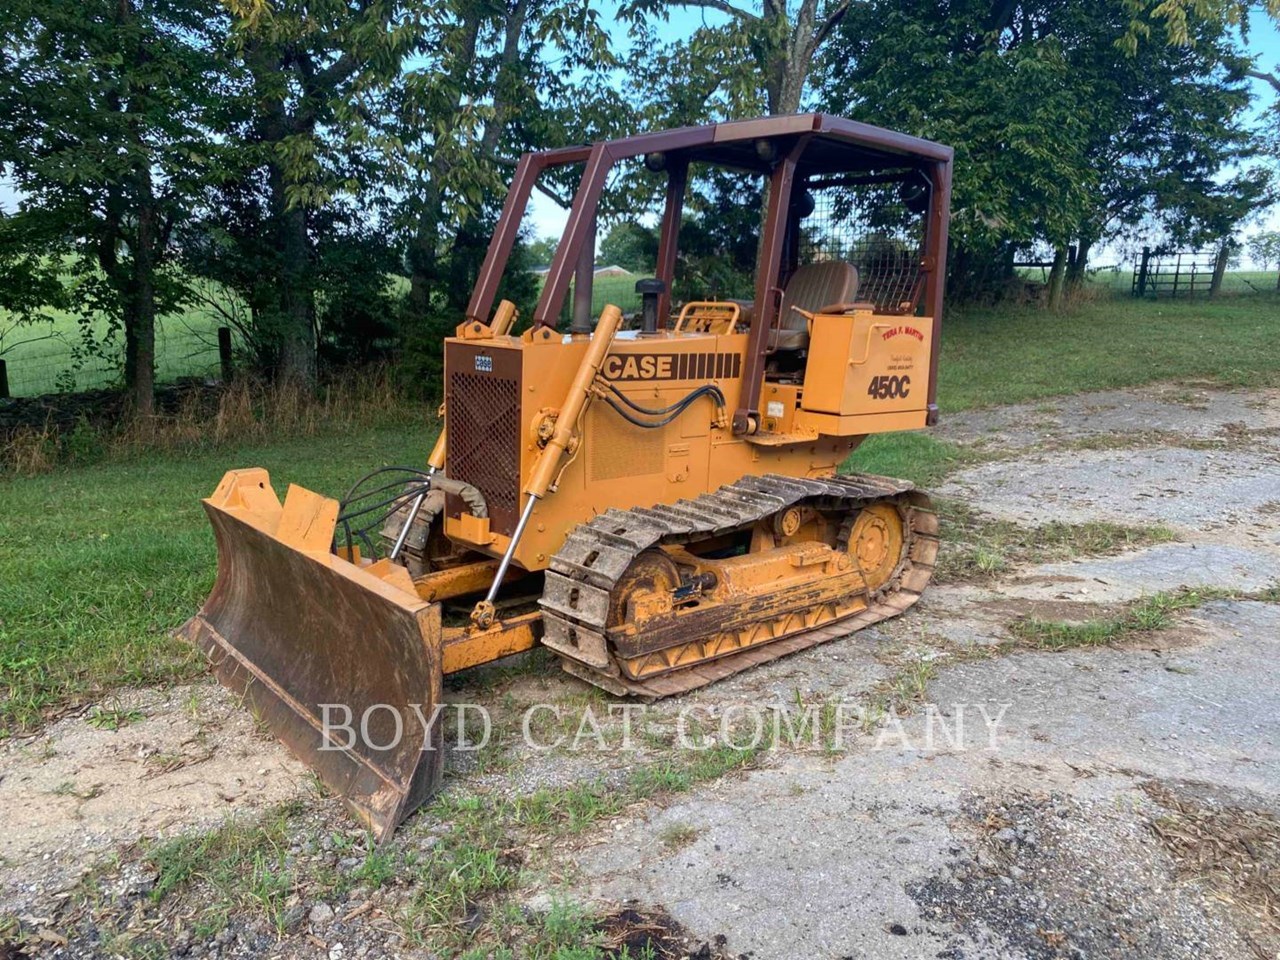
(483,411)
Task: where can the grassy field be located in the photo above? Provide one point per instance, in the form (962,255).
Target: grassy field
(992,357)
(100,561)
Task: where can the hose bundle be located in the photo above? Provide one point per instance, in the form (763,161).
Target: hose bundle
(372,507)
(666,414)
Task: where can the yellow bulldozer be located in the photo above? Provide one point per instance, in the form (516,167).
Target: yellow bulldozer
(653,495)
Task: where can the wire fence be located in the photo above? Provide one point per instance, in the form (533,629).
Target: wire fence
(38,360)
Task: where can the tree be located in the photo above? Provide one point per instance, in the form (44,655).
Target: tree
(103,108)
(305,133)
(718,238)
(630,246)
(1061,136)
(1264,249)
(1006,102)
(496,79)
(1177,19)
(755,57)
(542,250)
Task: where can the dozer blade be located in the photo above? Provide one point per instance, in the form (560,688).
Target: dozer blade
(341,661)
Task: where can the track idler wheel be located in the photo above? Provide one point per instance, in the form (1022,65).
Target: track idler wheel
(651,575)
(876,541)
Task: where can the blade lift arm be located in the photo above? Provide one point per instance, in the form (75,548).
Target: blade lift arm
(563,438)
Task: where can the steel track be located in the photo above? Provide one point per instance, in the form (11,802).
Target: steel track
(583,574)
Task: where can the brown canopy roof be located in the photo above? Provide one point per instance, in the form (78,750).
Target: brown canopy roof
(837,146)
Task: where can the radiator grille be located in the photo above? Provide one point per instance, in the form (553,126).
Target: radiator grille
(483,413)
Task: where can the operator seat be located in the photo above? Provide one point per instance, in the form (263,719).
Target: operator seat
(812,287)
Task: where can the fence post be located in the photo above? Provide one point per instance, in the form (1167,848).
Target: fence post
(1142,272)
(1219,268)
(224,353)
(4,380)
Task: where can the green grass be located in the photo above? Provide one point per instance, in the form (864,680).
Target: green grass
(992,357)
(242,865)
(1147,615)
(980,548)
(917,457)
(100,562)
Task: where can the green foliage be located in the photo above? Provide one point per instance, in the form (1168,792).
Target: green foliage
(422,330)
(1173,20)
(751,61)
(479,90)
(719,237)
(358,301)
(1060,135)
(308,154)
(542,250)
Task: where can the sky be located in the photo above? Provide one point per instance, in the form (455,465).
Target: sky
(1264,40)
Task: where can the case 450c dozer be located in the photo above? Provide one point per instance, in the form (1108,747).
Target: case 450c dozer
(654,499)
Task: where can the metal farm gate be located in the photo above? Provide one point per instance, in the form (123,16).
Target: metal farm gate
(1179,273)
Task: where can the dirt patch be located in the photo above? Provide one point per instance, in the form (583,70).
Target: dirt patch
(1116,418)
(1234,850)
(176,759)
(1173,486)
(1070,611)
(651,932)
(1055,876)
(981,549)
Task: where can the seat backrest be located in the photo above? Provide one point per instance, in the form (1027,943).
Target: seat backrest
(816,285)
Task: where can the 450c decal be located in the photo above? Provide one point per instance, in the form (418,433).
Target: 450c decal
(888,388)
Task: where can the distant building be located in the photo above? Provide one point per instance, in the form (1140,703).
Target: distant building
(612,270)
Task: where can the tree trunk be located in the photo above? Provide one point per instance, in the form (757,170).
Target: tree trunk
(1076,270)
(797,58)
(1219,270)
(1057,277)
(294,326)
(297,334)
(137,280)
(140,321)
(508,64)
(424,247)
